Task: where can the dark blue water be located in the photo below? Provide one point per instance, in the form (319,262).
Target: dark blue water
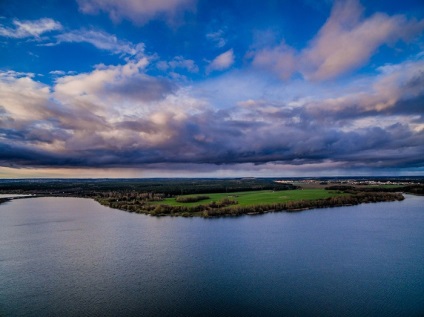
(68,256)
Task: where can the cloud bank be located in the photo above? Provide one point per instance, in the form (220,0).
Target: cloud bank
(228,105)
(118,116)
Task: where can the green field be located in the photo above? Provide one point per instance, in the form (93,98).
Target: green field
(261,197)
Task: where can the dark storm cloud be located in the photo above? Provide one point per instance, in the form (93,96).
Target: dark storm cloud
(215,142)
(17,156)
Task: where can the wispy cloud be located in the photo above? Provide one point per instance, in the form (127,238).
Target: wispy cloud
(61,73)
(103,41)
(178,62)
(138,11)
(217,38)
(24,29)
(97,38)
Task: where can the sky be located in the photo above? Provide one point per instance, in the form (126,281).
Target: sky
(211,88)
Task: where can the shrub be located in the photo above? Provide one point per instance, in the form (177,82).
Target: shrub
(191,199)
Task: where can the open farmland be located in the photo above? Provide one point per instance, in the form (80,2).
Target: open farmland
(256,197)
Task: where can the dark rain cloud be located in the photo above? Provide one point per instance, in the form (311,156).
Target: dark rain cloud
(209,139)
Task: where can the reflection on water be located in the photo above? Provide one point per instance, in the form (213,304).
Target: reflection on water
(69,256)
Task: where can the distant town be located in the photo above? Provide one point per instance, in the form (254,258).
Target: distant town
(348,182)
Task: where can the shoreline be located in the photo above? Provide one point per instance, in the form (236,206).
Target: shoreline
(188,199)
(204,211)
(297,206)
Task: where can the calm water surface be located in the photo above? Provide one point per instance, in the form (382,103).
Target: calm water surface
(69,256)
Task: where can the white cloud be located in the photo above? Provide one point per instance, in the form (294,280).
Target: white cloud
(57,73)
(9,74)
(103,41)
(112,92)
(345,42)
(222,61)
(22,97)
(23,29)
(217,38)
(61,73)
(178,62)
(121,107)
(138,11)
(393,97)
(280,59)
(114,106)
(100,82)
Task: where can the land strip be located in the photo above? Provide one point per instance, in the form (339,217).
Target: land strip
(217,197)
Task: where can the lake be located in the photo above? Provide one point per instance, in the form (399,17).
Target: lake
(71,256)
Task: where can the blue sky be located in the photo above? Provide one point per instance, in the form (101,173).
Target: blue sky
(175,88)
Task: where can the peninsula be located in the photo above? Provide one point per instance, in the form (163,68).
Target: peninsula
(218,197)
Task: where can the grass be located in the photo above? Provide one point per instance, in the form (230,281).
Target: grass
(261,197)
